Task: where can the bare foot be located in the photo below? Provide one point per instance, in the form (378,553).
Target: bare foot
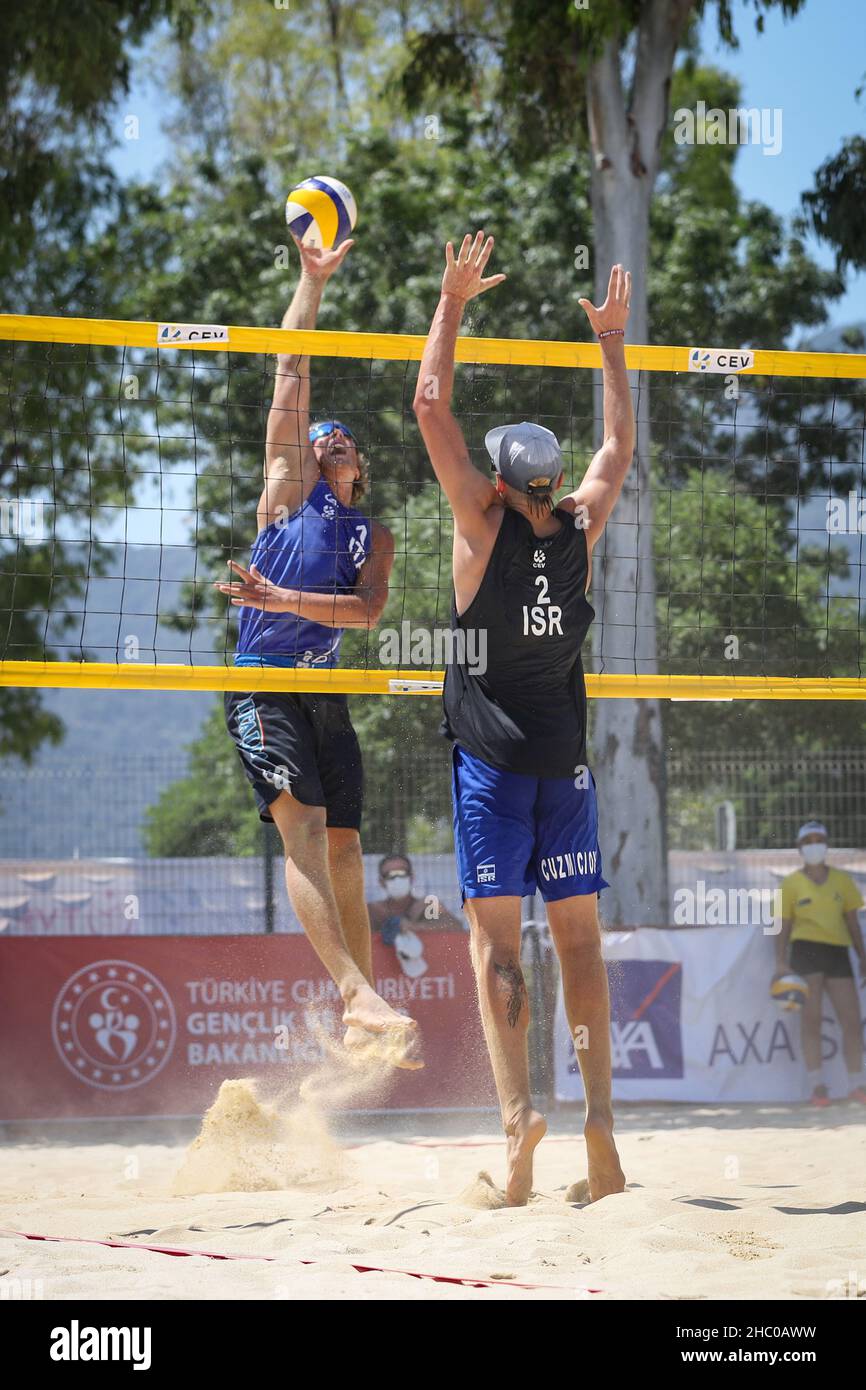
(522,1136)
(393,1047)
(605,1174)
(366,1009)
(367,1018)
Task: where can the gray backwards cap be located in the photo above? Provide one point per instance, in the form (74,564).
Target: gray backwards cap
(526,457)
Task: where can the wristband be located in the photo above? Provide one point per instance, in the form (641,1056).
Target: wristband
(610,332)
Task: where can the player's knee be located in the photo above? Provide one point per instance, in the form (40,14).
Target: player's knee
(344,847)
(580,953)
(497,960)
(303,831)
(489,944)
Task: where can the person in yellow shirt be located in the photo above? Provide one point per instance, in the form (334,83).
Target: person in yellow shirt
(819,927)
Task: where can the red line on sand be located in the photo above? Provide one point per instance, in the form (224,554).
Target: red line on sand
(272,1259)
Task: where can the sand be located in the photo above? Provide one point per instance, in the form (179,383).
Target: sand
(736,1203)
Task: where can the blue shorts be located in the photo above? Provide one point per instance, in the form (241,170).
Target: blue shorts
(515,835)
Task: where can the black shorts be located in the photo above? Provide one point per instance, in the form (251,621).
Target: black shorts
(817,958)
(301,744)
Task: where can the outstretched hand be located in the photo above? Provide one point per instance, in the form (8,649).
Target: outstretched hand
(253,590)
(614,311)
(464,273)
(319,263)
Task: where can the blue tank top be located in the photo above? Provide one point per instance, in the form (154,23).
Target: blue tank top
(320,548)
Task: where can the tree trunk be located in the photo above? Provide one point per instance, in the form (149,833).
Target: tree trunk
(335,17)
(628,746)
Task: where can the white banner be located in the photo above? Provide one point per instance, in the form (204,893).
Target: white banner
(692,1020)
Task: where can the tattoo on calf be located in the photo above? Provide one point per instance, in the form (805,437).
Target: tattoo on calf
(513,985)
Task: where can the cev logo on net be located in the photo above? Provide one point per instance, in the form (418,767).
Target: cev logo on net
(173,334)
(721,360)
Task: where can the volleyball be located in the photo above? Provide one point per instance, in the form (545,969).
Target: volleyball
(321,212)
(789,992)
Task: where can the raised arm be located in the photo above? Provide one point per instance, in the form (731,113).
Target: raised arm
(603,481)
(291,471)
(468,491)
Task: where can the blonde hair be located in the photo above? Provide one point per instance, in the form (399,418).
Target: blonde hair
(362,482)
(540,505)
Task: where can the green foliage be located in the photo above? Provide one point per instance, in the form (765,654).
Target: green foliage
(835,205)
(267,95)
(62,67)
(727,566)
(531,58)
(258,78)
(211,810)
(723,271)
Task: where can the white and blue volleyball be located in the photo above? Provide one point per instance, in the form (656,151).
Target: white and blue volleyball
(321,212)
(789,992)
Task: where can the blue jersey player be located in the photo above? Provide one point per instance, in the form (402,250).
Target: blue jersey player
(525,814)
(318,565)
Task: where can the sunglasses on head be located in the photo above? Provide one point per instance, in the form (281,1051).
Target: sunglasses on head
(326,427)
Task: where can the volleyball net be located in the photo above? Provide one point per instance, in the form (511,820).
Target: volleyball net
(132,463)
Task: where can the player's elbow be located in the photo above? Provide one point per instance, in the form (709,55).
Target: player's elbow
(426,405)
(374,615)
(287,392)
(373,608)
(289,367)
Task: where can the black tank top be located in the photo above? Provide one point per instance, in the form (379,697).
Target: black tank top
(527,711)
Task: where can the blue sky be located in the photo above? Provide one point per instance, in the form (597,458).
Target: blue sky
(808,67)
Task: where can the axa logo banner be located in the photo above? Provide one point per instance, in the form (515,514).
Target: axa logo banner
(646,1019)
(720,360)
(175,334)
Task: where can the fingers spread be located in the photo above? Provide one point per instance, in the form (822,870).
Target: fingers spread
(486,250)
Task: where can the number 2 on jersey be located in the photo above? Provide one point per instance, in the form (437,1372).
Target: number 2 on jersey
(543,618)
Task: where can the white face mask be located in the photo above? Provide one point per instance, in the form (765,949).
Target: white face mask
(814,853)
(398,886)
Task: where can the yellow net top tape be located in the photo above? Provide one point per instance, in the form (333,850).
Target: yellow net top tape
(132,675)
(400,347)
(406,348)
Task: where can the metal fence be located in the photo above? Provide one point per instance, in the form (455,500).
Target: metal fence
(73,854)
(757,800)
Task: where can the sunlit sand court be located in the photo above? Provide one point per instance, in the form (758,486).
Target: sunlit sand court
(752,1203)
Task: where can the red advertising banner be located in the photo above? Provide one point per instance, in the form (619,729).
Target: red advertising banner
(101,1026)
